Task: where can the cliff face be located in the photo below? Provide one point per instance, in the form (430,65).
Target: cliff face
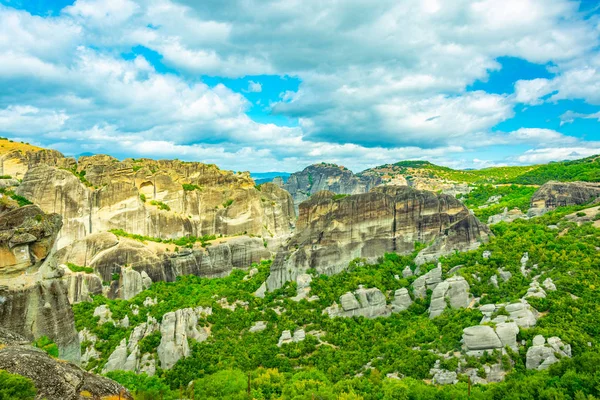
(17,161)
(139,264)
(331,233)
(336,179)
(560,194)
(165,199)
(33,300)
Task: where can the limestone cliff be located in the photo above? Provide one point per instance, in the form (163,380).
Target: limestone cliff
(334,178)
(332,232)
(17,158)
(33,300)
(560,194)
(165,199)
(138,264)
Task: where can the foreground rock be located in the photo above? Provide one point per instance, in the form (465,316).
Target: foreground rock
(332,232)
(33,298)
(453,292)
(54,379)
(561,194)
(334,178)
(481,339)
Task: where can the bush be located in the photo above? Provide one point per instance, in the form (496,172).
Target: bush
(77,268)
(160,205)
(16,387)
(46,344)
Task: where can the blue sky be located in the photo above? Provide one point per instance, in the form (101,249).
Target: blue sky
(277,85)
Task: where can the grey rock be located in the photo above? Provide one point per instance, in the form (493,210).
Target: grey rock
(454,291)
(104,313)
(407,272)
(428,281)
(481,337)
(486,254)
(258,326)
(369,303)
(504,275)
(117,359)
(401,300)
(176,329)
(541,355)
(494,281)
(549,284)
(287,337)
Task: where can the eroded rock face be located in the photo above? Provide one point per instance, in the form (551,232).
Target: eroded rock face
(369,303)
(33,300)
(453,291)
(54,379)
(176,329)
(139,264)
(149,198)
(560,194)
(17,163)
(507,216)
(480,339)
(330,177)
(542,355)
(332,232)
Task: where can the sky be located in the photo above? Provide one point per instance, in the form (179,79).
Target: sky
(276,85)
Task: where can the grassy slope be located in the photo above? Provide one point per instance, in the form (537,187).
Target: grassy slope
(6,146)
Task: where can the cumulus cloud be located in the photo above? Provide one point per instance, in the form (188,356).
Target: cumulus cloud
(380,81)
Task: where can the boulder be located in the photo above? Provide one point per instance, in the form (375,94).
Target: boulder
(561,194)
(541,355)
(401,300)
(258,326)
(369,303)
(287,337)
(453,291)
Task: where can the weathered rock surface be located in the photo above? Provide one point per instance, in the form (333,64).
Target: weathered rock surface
(507,216)
(453,291)
(428,281)
(16,163)
(480,339)
(287,337)
(337,179)
(560,194)
(54,379)
(401,300)
(259,326)
(33,300)
(369,303)
(176,329)
(213,202)
(139,264)
(520,313)
(331,233)
(541,355)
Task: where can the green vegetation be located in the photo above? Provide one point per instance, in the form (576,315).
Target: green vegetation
(77,268)
(136,168)
(16,387)
(46,344)
(160,205)
(5,177)
(143,197)
(512,196)
(186,241)
(333,366)
(586,169)
(228,203)
(80,175)
(339,196)
(22,201)
(189,187)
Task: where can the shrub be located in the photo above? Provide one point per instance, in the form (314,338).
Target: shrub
(160,205)
(77,268)
(46,344)
(16,387)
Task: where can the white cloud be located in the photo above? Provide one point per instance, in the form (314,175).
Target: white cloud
(545,155)
(254,87)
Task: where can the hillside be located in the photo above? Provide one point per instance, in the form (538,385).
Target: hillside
(586,169)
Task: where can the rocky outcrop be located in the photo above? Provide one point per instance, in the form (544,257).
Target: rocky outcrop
(331,232)
(428,281)
(453,291)
(479,339)
(542,355)
(369,303)
(520,313)
(330,177)
(507,216)
(176,329)
(139,264)
(164,199)
(54,379)
(33,299)
(287,337)
(16,163)
(560,194)
(401,300)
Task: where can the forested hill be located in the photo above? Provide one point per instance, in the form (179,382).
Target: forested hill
(585,169)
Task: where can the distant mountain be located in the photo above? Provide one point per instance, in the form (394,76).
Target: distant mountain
(264,177)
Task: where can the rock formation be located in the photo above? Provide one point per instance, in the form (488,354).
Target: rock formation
(33,299)
(453,291)
(560,194)
(369,303)
(176,329)
(541,355)
(331,177)
(54,379)
(480,339)
(506,216)
(287,337)
(164,199)
(331,232)
(139,264)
